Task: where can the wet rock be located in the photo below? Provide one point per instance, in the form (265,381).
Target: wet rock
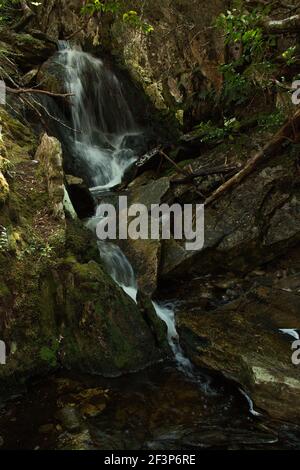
(158,327)
(92,402)
(70,419)
(79,441)
(47,428)
(211,437)
(80,196)
(103,330)
(242,341)
(92,411)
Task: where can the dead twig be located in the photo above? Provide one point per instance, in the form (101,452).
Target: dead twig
(180,170)
(45,110)
(21,91)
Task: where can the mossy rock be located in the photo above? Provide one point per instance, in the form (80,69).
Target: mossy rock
(28,50)
(4,188)
(103,329)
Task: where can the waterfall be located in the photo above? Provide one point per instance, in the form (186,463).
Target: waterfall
(101,118)
(102,122)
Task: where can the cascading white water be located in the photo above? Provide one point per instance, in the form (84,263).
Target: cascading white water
(119,268)
(102,120)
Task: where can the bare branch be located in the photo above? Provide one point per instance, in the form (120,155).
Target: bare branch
(45,110)
(20,91)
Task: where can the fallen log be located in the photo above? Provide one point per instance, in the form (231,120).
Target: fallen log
(287,25)
(147,157)
(220,170)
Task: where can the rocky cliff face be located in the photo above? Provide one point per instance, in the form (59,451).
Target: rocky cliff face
(176,66)
(58,306)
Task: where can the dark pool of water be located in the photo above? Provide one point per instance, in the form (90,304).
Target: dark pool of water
(156,409)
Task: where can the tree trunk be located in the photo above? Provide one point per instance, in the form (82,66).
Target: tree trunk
(28,14)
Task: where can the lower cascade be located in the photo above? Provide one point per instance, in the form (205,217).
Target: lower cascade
(104,119)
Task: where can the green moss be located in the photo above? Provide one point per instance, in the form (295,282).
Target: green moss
(4,291)
(81,242)
(49,354)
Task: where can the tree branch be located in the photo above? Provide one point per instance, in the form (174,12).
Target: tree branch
(28,15)
(289,132)
(20,91)
(287,25)
(219,170)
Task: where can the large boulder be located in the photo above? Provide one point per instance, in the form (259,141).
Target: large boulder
(145,254)
(102,329)
(242,340)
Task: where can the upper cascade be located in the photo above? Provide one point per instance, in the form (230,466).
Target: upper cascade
(101,117)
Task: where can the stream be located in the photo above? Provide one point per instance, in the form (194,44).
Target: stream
(102,144)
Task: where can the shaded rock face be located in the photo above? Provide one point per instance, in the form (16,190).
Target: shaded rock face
(60,18)
(174,76)
(80,196)
(242,341)
(253,224)
(145,254)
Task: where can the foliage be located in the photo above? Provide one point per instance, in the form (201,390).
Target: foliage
(288,55)
(209,132)
(4,244)
(237,88)
(42,251)
(49,354)
(6,10)
(116,8)
(110,6)
(271,122)
(244,27)
(132,18)
(254,68)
